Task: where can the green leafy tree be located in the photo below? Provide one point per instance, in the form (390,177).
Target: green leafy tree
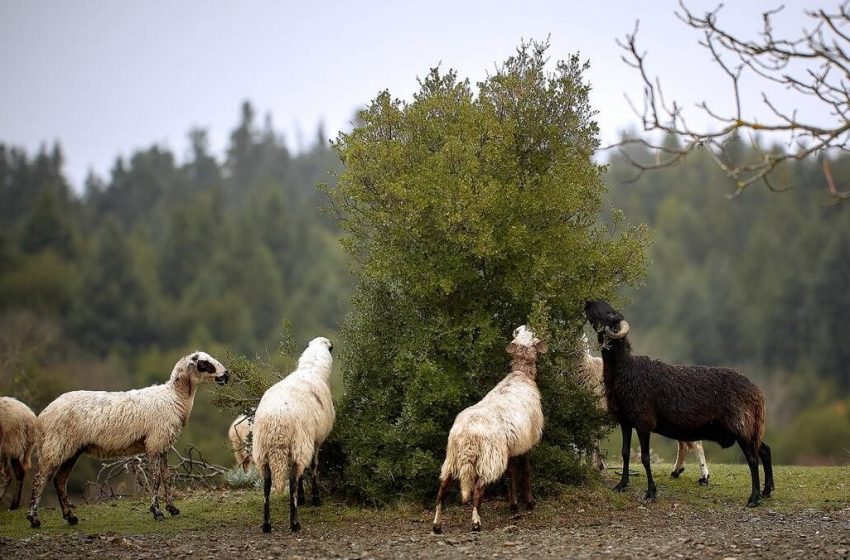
(470,214)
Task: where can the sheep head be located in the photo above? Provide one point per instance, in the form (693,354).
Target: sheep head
(524,349)
(605,320)
(203,368)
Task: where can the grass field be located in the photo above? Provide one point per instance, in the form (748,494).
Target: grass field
(797,489)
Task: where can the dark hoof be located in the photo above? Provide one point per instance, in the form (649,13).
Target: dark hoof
(476,527)
(72,520)
(158,515)
(766,492)
(649,496)
(13,506)
(514,509)
(752,503)
(620,487)
(703,481)
(678,472)
(300,501)
(530,505)
(316,501)
(295,527)
(437,529)
(172,510)
(35,522)
(267,527)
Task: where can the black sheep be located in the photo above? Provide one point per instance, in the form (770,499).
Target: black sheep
(686,403)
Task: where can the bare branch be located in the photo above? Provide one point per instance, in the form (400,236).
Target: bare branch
(814,64)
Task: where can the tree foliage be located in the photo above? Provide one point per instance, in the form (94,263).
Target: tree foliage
(470,213)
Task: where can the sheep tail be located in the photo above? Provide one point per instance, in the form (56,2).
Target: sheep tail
(466,477)
(279,466)
(758,431)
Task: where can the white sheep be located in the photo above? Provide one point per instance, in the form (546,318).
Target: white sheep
(491,436)
(120,424)
(292,421)
(18,440)
(240,438)
(590,375)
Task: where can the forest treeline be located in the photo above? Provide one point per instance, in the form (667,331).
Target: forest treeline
(108,287)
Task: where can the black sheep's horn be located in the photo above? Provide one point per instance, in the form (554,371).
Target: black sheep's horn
(624,330)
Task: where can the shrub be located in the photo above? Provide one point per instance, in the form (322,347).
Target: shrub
(469,213)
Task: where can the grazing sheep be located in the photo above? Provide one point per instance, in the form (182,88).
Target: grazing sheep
(686,403)
(120,424)
(590,375)
(18,439)
(492,435)
(292,421)
(240,436)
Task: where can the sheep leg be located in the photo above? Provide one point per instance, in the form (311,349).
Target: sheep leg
(301,498)
(526,477)
(477,494)
(315,480)
(5,477)
(267,488)
(165,473)
(20,473)
(512,472)
(703,465)
(751,455)
(294,525)
(44,472)
(60,482)
(437,527)
(156,477)
(643,438)
(767,463)
(626,452)
(679,468)
(596,457)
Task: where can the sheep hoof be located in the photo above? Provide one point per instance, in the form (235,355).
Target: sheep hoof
(35,522)
(295,527)
(267,527)
(649,496)
(476,527)
(158,515)
(72,520)
(703,481)
(514,509)
(678,472)
(529,505)
(620,487)
(13,506)
(753,502)
(437,529)
(172,510)
(300,501)
(316,501)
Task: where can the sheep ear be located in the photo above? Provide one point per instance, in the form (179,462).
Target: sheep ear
(541,347)
(512,347)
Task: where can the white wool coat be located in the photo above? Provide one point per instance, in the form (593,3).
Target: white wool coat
(123,423)
(295,416)
(507,422)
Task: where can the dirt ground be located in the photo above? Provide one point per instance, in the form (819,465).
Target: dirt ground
(641,532)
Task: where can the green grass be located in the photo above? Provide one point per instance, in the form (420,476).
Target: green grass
(797,488)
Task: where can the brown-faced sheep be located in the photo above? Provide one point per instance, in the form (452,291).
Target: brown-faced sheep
(489,437)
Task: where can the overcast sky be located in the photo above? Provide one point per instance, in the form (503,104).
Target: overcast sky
(105,78)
